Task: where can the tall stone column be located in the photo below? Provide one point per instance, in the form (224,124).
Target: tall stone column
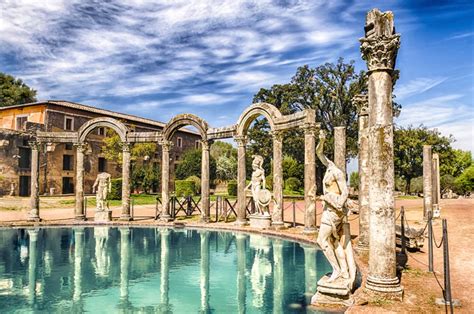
(379,48)
(205,181)
(32,265)
(204,284)
(277,215)
(165,181)
(361,101)
(310,276)
(427,181)
(33,215)
(310,177)
(340,148)
(125,215)
(435,178)
(79,207)
(241,177)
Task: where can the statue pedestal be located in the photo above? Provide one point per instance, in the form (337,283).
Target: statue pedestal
(103,216)
(336,292)
(260,221)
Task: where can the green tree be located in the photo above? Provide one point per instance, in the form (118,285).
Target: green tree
(354,180)
(225,156)
(292,168)
(456,162)
(465,182)
(14,92)
(408,151)
(190,165)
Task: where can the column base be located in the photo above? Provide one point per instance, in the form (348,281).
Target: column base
(204,219)
(125,218)
(362,247)
(390,288)
(278,225)
(241,223)
(80,218)
(33,218)
(165,218)
(310,230)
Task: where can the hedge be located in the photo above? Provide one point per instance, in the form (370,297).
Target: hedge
(116,190)
(197,183)
(232,188)
(184,188)
(292,184)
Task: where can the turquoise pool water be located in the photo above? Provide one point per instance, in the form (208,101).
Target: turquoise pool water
(154,270)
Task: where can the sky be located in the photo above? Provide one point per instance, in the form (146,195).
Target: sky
(157,59)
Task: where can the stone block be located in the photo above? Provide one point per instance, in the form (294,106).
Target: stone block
(103,216)
(260,221)
(337,292)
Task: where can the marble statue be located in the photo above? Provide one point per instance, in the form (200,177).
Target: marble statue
(334,234)
(261,196)
(103,184)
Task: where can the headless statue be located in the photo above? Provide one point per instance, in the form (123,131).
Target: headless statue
(103,184)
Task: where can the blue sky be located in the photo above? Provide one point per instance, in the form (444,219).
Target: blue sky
(160,58)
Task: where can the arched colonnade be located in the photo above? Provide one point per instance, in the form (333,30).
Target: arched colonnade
(279,123)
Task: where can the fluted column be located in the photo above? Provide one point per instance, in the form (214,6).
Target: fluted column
(204,284)
(205,181)
(361,102)
(436,184)
(124,267)
(125,215)
(165,181)
(379,48)
(310,177)
(164,270)
(241,270)
(340,148)
(241,183)
(33,215)
(78,255)
(277,214)
(427,181)
(79,207)
(32,265)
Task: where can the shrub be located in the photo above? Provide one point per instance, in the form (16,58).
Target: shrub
(269,182)
(354,180)
(184,188)
(197,183)
(116,189)
(465,182)
(293,184)
(232,188)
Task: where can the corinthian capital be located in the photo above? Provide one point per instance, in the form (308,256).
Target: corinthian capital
(166,145)
(380,45)
(361,101)
(277,135)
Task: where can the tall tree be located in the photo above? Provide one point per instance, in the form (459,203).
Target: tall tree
(14,92)
(408,151)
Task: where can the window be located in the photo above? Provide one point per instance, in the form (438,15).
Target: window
(102,164)
(20,120)
(101,131)
(67,162)
(180,142)
(68,123)
(68,146)
(197,144)
(25,158)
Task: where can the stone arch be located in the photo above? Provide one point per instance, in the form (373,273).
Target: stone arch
(114,124)
(182,120)
(270,112)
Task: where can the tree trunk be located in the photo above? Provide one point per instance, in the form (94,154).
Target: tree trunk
(407,187)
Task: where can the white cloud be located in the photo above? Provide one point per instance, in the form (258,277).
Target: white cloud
(417,86)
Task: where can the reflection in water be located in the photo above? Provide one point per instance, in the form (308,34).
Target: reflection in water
(261,268)
(32,265)
(102,259)
(153,270)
